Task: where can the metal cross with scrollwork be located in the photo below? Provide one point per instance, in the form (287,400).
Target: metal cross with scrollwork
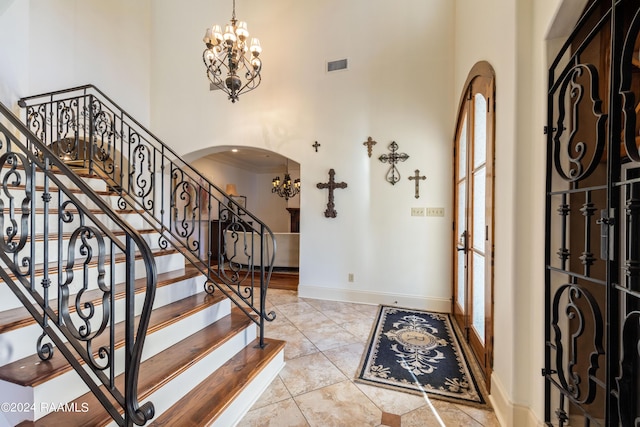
(369,143)
(393,175)
(331,212)
(417,178)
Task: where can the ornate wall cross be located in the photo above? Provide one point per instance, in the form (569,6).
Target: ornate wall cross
(316,145)
(393,175)
(331,185)
(369,143)
(417,178)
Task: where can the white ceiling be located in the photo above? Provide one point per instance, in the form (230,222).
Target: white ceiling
(253,159)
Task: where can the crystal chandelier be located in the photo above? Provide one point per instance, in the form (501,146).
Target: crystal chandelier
(228,66)
(286,188)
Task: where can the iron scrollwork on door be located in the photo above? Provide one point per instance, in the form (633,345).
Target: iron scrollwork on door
(592,313)
(572,90)
(629,371)
(576,376)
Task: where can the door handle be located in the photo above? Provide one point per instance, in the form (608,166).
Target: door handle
(462,242)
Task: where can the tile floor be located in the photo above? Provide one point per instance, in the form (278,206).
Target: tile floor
(325,341)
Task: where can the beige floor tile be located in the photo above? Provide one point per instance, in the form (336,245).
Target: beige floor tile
(296,308)
(360,330)
(282,297)
(309,373)
(485,417)
(281,414)
(394,402)
(312,319)
(297,344)
(425,416)
(370,310)
(347,358)
(338,405)
(275,392)
(330,336)
(350,316)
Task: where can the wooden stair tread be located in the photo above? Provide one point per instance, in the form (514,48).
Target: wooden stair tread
(20,317)
(94,211)
(53,188)
(79,262)
(206,401)
(54,236)
(32,371)
(156,371)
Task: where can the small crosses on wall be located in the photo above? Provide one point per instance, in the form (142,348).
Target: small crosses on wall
(369,143)
(331,212)
(316,145)
(417,178)
(393,175)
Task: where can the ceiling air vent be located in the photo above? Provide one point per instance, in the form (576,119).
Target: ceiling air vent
(340,64)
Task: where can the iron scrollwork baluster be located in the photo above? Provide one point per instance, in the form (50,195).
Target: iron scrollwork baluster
(185,206)
(141,180)
(87,331)
(14,222)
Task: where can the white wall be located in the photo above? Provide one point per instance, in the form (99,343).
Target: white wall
(58,44)
(14,68)
(398,87)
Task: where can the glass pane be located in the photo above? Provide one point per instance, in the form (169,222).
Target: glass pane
(479,178)
(461,221)
(461,281)
(478,295)
(462,150)
(480,130)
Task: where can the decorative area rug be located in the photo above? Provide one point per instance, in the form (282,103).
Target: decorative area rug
(420,352)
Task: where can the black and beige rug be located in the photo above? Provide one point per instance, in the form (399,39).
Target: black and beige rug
(420,352)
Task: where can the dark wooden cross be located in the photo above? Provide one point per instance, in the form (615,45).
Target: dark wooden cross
(393,175)
(331,185)
(316,145)
(417,178)
(369,143)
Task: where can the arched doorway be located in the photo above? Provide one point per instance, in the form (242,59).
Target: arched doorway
(473,210)
(247,174)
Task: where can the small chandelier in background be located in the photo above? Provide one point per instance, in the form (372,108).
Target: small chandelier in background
(228,66)
(286,188)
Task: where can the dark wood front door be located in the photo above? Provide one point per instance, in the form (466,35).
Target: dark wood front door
(473,228)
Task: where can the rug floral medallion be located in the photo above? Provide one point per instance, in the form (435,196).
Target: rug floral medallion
(419,352)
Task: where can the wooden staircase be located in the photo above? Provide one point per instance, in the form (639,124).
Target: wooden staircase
(201,364)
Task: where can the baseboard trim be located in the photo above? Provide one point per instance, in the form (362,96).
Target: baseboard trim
(440,305)
(507,412)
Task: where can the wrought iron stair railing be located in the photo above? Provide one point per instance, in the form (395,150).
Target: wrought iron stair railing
(88,130)
(56,247)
